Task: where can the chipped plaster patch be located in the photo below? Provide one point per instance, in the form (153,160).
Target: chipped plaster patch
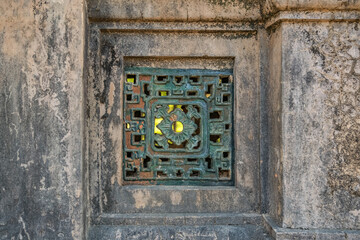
(141,198)
(355,212)
(111,97)
(78,192)
(112,180)
(21,220)
(26,165)
(175,198)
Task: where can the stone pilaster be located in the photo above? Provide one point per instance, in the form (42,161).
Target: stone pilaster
(314,80)
(41,116)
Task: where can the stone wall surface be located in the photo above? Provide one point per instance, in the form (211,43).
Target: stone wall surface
(41,115)
(321,125)
(297,71)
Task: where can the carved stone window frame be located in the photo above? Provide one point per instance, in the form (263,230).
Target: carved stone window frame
(109,46)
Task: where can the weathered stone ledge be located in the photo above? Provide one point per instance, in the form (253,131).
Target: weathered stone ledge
(179,219)
(230,26)
(183,10)
(315,4)
(174,26)
(246,231)
(313,16)
(279,233)
(210,10)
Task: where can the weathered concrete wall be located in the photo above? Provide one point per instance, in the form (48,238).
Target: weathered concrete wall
(310,79)
(41,115)
(321,125)
(314,115)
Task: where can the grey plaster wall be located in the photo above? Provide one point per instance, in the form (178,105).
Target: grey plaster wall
(41,119)
(320,124)
(306,95)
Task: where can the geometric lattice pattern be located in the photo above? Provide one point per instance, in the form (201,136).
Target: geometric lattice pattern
(178,126)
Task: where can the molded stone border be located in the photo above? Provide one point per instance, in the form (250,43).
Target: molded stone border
(282,5)
(279,233)
(180,219)
(314,16)
(243,32)
(207,10)
(174,10)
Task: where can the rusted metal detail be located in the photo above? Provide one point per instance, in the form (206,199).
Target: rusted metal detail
(178,126)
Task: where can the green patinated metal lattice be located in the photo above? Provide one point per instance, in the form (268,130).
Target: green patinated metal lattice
(178,126)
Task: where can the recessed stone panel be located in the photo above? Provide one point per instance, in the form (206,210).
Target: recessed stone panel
(174,72)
